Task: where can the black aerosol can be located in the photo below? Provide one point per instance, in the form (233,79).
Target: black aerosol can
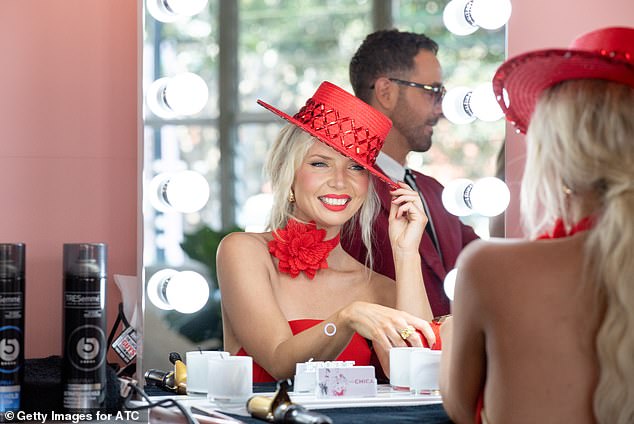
(84,372)
(11,326)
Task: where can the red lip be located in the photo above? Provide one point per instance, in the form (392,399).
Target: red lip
(336,196)
(335,208)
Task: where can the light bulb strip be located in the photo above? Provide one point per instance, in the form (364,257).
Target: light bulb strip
(163,192)
(467,13)
(466,196)
(466,103)
(163,95)
(167,7)
(162,289)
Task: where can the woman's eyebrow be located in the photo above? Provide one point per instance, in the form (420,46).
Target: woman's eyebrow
(319,156)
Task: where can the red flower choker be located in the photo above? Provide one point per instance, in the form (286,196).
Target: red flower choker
(301,248)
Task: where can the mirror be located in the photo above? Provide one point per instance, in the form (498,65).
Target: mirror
(279,52)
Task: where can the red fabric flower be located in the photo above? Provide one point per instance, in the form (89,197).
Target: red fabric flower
(301,248)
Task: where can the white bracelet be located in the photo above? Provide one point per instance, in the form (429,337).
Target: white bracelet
(330,329)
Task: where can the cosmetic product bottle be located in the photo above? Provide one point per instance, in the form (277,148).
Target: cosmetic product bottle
(11,326)
(85,345)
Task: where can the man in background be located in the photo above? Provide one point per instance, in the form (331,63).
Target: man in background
(398,74)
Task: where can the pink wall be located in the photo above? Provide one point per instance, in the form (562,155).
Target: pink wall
(69,120)
(537,24)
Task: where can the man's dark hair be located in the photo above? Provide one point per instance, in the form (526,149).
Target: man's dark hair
(383,53)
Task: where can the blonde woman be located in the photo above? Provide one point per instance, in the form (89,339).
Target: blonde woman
(293,294)
(543,329)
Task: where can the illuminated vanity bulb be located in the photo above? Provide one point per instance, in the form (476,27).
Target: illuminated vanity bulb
(183,94)
(182,191)
(454,18)
(464,17)
(172,10)
(455,105)
(449,284)
(490,196)
(185,291)
(256,212)
(484,105)
(491,14)
(455,197)
(461,105)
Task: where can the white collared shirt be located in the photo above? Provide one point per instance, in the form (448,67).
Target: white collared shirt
(390,167)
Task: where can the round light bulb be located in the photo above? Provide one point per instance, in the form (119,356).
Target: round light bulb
(186,94)
(449,284)
(256,212)
(484,104)
(454,18)
(455,105)
(173,10)
(455,196)
(182,191)
(183,94)
(187,292)
(490,196)
(155,288)
(491,14)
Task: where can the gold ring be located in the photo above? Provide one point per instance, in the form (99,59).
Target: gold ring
(406,332)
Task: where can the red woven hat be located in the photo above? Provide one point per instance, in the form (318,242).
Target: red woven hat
(605,54)
(345,123)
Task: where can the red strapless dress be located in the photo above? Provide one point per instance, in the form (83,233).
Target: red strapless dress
(357,350)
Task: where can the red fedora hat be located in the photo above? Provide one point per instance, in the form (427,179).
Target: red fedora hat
(345,123)
(605,54)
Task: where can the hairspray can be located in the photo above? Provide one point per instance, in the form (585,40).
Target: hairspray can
(84,370)
(11,326)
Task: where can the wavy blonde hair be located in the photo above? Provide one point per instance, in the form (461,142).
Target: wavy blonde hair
(582,136)
(285,157)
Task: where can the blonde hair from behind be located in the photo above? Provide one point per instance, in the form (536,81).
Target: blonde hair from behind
(582,136)
(285,157)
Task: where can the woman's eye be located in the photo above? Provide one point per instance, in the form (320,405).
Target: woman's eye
(318,164)
(356,167)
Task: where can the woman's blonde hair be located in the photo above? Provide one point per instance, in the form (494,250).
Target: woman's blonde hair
(582,137)
(285,157)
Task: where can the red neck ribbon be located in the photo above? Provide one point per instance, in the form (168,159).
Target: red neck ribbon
(559,230)
(301,248)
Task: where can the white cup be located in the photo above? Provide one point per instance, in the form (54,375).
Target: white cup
(399,367)
(196,362)
(230,379)
(424,371)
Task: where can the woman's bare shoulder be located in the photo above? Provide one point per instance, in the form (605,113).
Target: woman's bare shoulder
(492,264)
(516,267)
(241,241)
(244,252)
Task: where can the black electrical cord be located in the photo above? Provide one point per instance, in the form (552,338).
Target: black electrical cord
(164,403)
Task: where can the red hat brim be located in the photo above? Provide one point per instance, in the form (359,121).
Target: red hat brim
(519,82)
(311,131)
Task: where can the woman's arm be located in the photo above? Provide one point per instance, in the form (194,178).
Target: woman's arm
(463,361)
(407,222)
(256,323)
(254,318)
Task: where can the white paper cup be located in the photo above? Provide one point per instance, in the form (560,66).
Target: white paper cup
(230,379)
(399,367)
(424,371)
(197,373)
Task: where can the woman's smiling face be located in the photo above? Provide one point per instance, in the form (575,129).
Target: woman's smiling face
(329,187)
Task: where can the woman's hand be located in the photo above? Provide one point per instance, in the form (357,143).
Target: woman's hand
(384,325)
(407,218)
